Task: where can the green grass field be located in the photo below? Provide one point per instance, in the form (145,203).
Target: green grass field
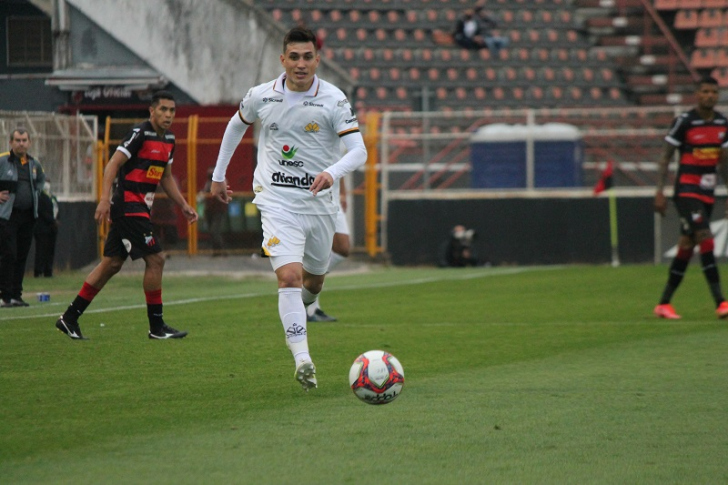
(513,375)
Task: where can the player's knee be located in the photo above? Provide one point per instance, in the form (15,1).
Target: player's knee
(113,265)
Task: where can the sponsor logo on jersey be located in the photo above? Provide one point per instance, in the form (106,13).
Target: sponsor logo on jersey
(150,133)
(258,189)
(273,241)
(312,127)
(288,152)
(706,153)
(155,173)
(350,120)
(274,127)
(149,199)
(272,100)
(281,179)
(342,102)
(311,103)
(291,163)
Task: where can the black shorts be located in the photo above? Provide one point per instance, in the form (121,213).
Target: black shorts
(131,236)
(694,215)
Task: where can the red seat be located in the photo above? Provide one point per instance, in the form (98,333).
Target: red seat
(666,4)
(711,17)
(686,19)
(706,37)
(703,58)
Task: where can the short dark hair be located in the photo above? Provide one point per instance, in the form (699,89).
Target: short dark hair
(299,34)
(708,80)
(20,131)
(161,95)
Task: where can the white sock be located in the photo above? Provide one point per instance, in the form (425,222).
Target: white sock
(334,260)
(293,318)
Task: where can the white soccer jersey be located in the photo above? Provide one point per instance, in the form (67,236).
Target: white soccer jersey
(297,141)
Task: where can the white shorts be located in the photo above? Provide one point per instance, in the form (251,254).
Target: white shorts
(298,238)
(342,225)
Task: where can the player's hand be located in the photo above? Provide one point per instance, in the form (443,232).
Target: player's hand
(103,211)
(4,196)
(221,191)
(660,203)
(323,181)
(190,213)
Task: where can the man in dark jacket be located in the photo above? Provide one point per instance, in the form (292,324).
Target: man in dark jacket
(21,180)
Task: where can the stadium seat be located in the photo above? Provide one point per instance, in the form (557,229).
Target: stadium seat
(707,37)
(686,19)
(721,75)
(666,4)
(721,57)
(711,17)
(715,3)
(703,58)
(685,4)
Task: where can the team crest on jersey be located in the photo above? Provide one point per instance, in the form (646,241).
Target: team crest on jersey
(149,240)
(288,152)
(273,241)
(312,127)
(155,173)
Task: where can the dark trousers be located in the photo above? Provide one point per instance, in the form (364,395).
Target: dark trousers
(45,252)
(16,236)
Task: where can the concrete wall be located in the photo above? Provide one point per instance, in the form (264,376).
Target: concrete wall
(214,50)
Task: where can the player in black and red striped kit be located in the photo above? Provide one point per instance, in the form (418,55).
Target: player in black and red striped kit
(142,161)
(701,136)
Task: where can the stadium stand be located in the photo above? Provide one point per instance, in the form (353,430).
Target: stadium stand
(561,52)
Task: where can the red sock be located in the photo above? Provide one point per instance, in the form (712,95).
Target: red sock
(88,292)
(154,297)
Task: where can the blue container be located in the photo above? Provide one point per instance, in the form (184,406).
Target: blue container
(498,156)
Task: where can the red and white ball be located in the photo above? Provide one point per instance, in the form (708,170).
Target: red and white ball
(376,377)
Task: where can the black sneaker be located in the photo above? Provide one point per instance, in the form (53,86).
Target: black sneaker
(18,302)
(165,332)
(70,328)
(320,316)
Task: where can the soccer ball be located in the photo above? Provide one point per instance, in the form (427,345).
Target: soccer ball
(376,377)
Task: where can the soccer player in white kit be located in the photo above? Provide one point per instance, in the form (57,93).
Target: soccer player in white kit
(303,119)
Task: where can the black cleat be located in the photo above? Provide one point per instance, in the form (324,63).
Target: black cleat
(320,316)
(70,329)
(18,302)
(6,304)
(165,332)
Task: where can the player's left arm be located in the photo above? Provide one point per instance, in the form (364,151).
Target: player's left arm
(172,190)
(355,157)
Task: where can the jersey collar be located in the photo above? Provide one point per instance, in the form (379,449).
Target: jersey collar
(278,86)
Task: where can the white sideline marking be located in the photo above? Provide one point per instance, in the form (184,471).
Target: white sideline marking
(417,281)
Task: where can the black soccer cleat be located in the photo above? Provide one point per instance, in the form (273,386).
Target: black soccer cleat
(320,316)
(71,329)
(18,302)
(164,332)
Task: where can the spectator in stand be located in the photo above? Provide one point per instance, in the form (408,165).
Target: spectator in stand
(473,31)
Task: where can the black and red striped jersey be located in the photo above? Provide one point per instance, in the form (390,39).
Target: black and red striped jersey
(139,177)
(700,143)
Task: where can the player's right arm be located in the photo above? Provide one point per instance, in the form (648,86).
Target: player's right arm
(103,209)
(236,128)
